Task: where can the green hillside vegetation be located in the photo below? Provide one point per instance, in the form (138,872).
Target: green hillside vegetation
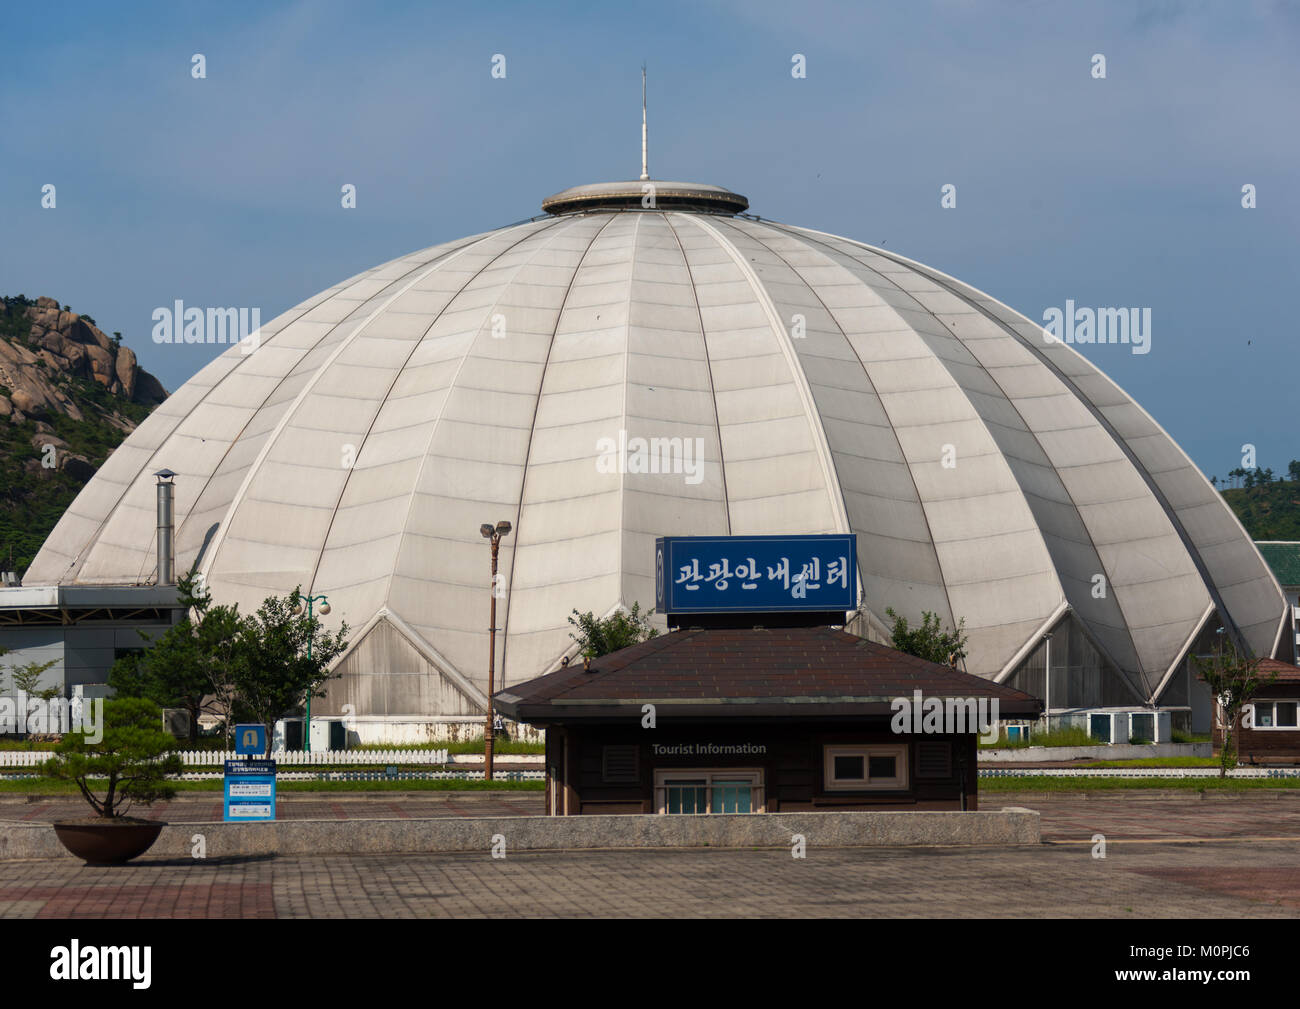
(1268,506)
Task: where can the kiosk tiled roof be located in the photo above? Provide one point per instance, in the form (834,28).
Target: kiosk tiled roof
(1285,672)
(777,672)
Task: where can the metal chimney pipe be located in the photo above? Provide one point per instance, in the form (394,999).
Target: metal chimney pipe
(166,527)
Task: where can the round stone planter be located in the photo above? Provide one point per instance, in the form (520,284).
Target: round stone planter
(108,842)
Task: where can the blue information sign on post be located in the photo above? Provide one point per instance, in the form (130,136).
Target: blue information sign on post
(760,574)
(250,790)
(250,740)
(250,784)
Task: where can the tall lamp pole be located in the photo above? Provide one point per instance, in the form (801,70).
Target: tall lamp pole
(1047,683)
(297,612)
(493,534)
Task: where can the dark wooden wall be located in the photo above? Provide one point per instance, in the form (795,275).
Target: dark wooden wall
(792,766)
(1266,744)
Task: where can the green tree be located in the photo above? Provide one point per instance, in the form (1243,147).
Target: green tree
(1233,678)
(1293,470)
(179,667)
(618,630)
(929,641)
(133,758)
(28,676)
(280,657)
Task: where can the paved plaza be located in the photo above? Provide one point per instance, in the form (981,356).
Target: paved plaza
(1167,856)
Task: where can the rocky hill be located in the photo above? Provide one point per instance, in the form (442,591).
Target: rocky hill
(69,394)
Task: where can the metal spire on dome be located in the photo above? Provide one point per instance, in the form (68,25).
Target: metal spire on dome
(644,169)
(629,195)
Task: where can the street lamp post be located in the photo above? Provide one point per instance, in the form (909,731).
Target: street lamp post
(1047,684)
(494,534)
(297,612)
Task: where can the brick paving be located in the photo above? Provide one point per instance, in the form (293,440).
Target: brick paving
(1172,816)
(1151,881)
(1157,873)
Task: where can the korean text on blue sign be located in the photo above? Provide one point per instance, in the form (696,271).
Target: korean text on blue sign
(249,790)
(764,574)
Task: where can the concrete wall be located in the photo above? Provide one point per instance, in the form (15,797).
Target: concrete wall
(1118,751)
(33,644)
(425,729)
(1010,826)
(91,648)
(83,653)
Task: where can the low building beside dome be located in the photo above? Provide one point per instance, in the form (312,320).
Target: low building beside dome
(81,630)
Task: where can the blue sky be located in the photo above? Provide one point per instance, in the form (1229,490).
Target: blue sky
(1122,192)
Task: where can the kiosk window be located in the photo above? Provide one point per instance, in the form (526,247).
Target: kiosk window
(863,768)
(1275,715)
(709,791)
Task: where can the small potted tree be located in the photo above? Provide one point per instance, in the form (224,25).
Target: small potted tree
(131,761)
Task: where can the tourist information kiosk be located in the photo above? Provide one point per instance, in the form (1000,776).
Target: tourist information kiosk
(757,700)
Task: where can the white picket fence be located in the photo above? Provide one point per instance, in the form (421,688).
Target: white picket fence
(316,758)
(1136,772)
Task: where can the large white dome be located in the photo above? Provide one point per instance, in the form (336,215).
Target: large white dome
(475,381)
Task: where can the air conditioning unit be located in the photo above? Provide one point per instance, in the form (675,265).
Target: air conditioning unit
(287,734)
(1109,726)
(1150,726)
(177,722)
(328,734)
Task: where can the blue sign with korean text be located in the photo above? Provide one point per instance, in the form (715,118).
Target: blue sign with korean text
(761,574)
(250,790)
(250,739)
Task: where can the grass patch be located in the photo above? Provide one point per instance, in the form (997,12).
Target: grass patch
(501,746)
(53,786)
(1067,736)
(413,785)
(218,743)
(1157,762)
(1061,783)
